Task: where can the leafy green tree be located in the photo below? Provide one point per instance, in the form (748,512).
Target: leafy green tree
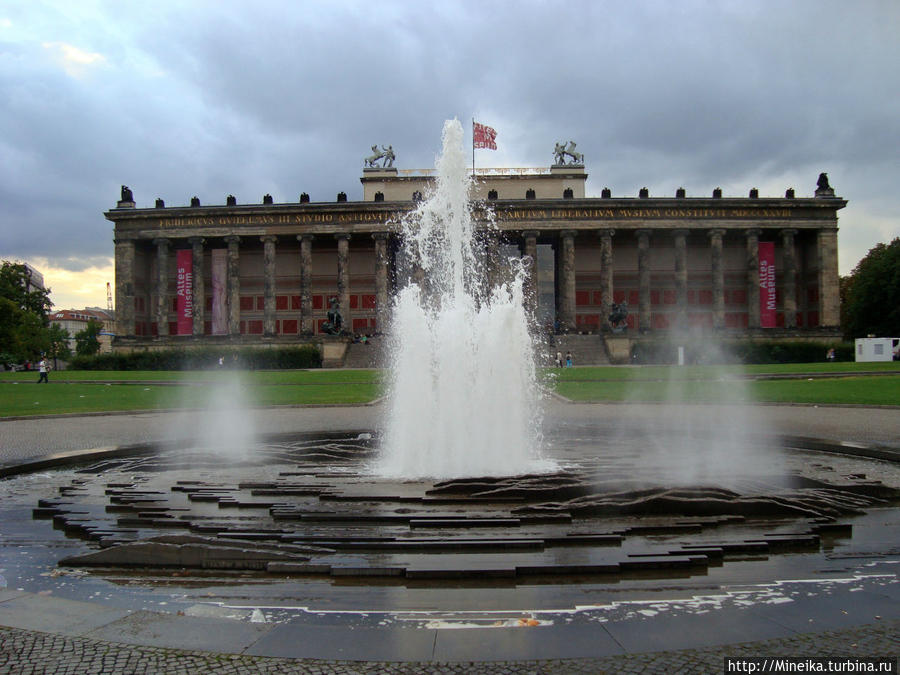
(23,313)
(58,339)
(871,295)
(15,286)
(87,341)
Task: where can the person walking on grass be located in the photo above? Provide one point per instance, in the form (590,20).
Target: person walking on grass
(43,368)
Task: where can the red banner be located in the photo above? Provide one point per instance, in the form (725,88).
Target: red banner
(483,137)
(184,285)
(767,284)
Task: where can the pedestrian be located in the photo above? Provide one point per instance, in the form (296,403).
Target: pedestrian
(830,355)
(559,361)
(568,359)
(43,368)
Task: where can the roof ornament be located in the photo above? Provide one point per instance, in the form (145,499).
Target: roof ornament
(385,156)
(561,151)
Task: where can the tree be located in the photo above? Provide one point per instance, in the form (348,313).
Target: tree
(872,294)
(15,285)
(87,342)
(58,339)
(23,313)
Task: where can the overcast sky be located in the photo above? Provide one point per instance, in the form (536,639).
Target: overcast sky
(176,99)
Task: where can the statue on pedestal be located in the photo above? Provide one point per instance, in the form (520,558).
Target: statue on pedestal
(335,321)
(385,155)
(561,151)
(128,197)
(617,316)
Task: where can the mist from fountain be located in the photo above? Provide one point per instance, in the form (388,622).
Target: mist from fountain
(226,425)
(718,443)
(463,395)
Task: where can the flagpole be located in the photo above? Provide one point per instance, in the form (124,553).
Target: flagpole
(473,148)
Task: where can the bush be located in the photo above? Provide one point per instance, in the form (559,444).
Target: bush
(204,358)
(738,351)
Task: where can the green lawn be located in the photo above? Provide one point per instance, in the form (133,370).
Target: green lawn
(874,390)
(97,391)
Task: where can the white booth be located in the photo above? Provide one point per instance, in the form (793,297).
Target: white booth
(876,349)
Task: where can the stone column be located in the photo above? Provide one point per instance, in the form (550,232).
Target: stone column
(343,278)
(268,284)
(753,316)
(829,282)
(124,288)
(718,278)
(606,275)
(306,321)
(233,285)
(162,287)
(198,292)
(643,280)
(382,268)
(789,284)
(531,282)
(681,279)
(566,311)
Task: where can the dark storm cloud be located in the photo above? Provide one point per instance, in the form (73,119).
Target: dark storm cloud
(230,97)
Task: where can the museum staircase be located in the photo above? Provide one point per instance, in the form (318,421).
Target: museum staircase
(587,350)
(364,354)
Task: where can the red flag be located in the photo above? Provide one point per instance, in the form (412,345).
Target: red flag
(483,136)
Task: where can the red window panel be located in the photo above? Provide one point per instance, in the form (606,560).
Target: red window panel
(812,294)
(319,323)
(139,328)
(255,327)
(633,298)
(739,297)
(175,304)
(618,297)
(208,303)
(631,321)
(669,298)
(660,321)
(654,297)
(705,297)
(243,327)
(597,298)
(799,319)
(173,328)
(281,302)
(295,302)
(368,301)
(354,302)
(289,327)
(207,327)
(260,303)
(246,303)
(360,325)
(582,297)
(779,320)
(812,319)
(318,301)
(692,297)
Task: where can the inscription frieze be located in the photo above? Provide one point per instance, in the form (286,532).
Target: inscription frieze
(627,213)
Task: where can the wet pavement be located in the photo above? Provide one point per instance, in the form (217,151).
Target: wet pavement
(838,598)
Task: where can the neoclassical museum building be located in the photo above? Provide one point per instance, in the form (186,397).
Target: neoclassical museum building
(265,273)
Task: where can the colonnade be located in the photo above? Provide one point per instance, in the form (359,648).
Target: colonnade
(564,240)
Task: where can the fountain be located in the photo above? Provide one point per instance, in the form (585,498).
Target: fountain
(453,494)
(463,395)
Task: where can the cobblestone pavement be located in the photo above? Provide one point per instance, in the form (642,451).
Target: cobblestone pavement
(23,652)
